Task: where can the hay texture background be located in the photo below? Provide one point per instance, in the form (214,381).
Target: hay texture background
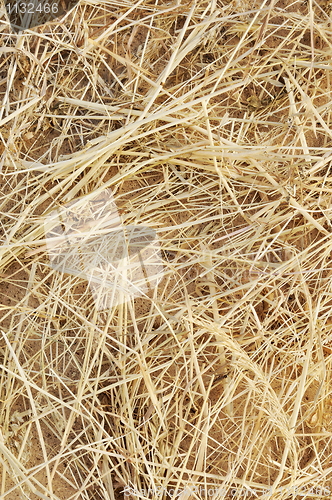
(210,123)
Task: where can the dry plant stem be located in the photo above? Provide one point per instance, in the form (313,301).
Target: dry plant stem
(216,317)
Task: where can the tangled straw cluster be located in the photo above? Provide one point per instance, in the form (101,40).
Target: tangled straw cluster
(209,122)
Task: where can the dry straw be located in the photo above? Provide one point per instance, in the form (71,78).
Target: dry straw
(210,123)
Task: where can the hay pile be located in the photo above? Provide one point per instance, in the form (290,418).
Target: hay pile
(209,122)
